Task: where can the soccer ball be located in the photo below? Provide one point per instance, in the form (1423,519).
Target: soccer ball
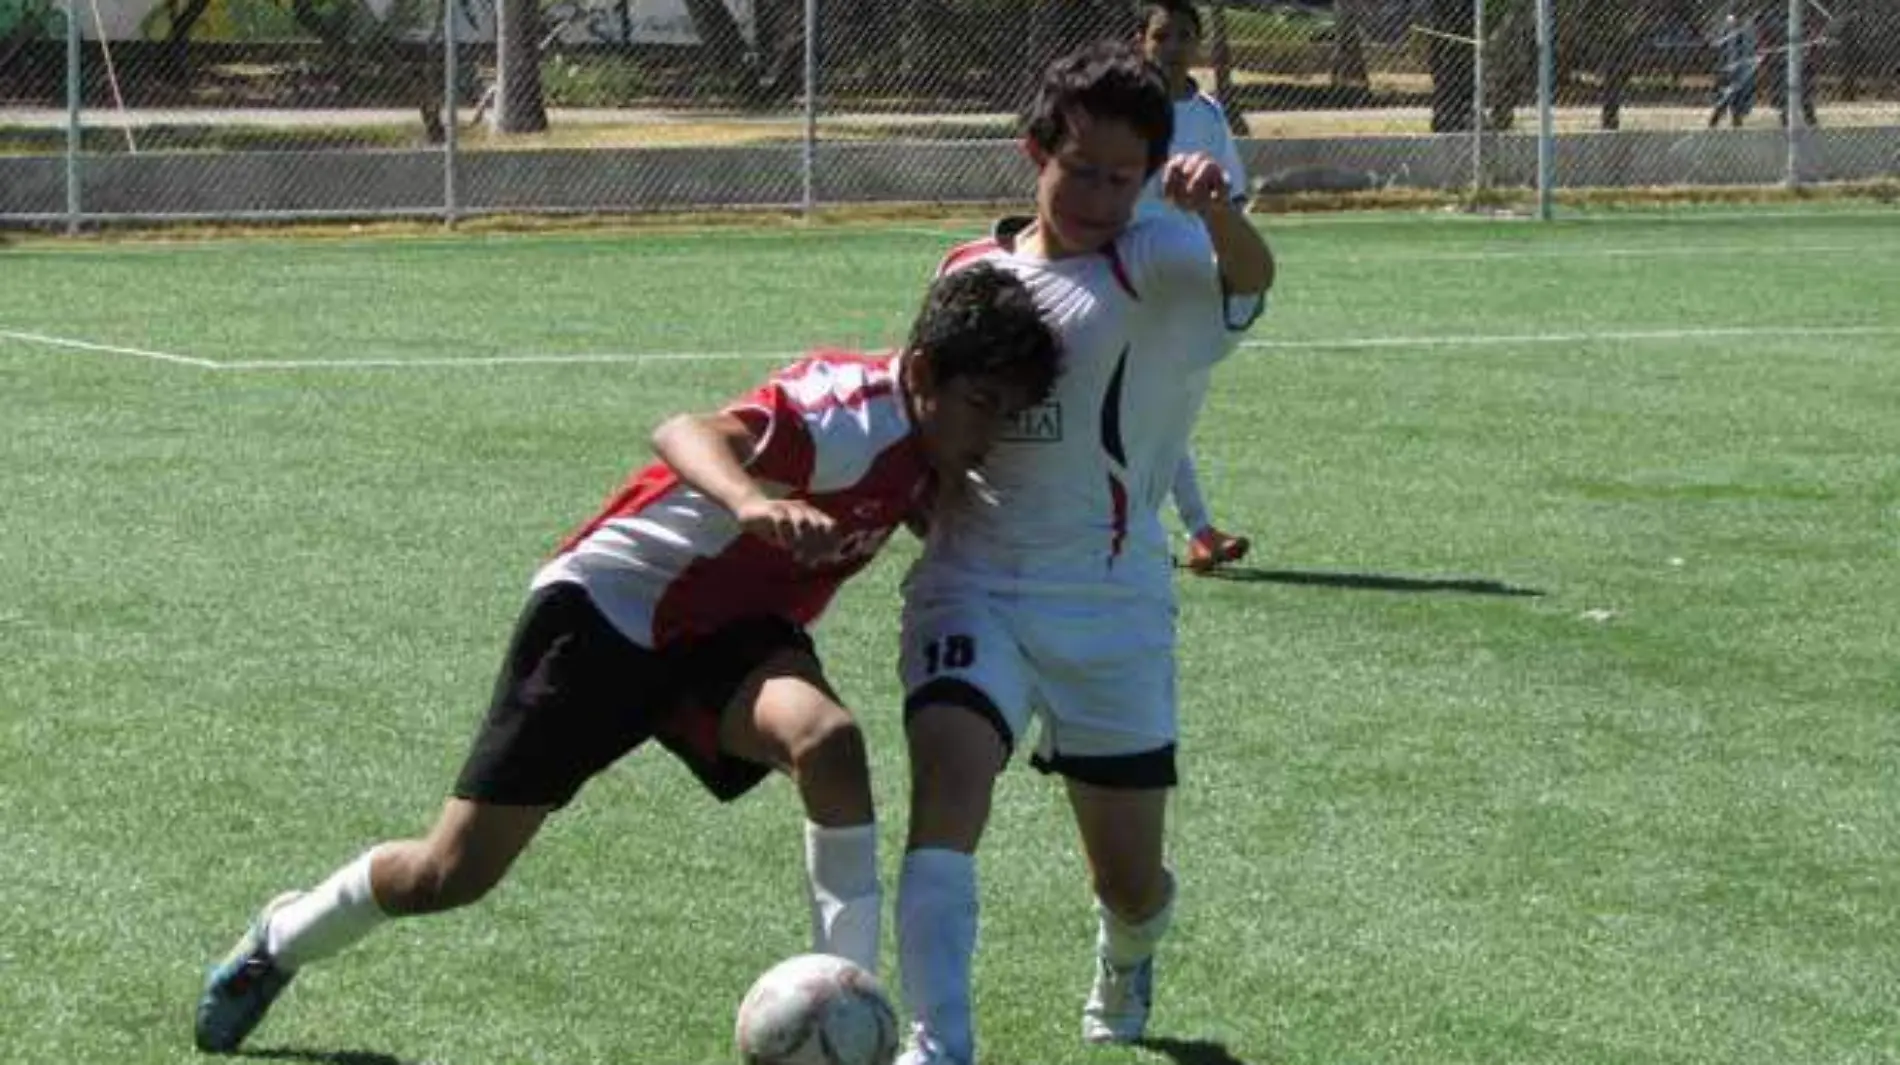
(814,1009)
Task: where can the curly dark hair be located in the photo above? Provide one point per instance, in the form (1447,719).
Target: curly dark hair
(980,321)
(1107,79)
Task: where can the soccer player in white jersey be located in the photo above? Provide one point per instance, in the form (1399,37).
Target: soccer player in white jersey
(1057,600)
(1171,39)
(678,614)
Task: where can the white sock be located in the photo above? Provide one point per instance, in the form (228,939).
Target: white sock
(1188,501)
(332,916)
(936,943)
(846,903)
(1125,945)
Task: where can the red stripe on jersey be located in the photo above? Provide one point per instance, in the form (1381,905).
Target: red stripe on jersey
(636,495)
(1120,270)
(751,577)
(1118,501)
(785,454)
(964,254)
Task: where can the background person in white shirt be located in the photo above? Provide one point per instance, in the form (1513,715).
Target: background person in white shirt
(1170,38)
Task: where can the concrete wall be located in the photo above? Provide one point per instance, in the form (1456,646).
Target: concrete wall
(372,182)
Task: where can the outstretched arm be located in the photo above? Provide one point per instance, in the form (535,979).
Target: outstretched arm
(709,452)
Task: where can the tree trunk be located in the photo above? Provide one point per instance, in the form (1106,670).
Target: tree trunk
(1450,62)
(719,38)
(1616,76)
(780,75)
(1349,46)
(1221,56)
(519,106)
(853,33)
(1511,77)
(178,37)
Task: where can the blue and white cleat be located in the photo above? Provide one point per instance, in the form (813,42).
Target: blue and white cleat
(240,989)
(1117,1010)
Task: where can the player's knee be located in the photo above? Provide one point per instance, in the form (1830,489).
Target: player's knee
(955,756)
(828,744)
(1134,896)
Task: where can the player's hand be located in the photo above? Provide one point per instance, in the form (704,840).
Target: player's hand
(793,524)
(1194,182)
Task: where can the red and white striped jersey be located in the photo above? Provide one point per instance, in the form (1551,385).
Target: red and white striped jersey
(1079,481)
(664,562)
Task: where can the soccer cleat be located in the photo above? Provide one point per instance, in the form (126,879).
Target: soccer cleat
(1117,1010)
(1211,549)
(239,989)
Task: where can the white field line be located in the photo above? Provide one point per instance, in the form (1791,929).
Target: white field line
(1739,251)
(109,349)
(1443,341)
(1323,219)
(475,362)
(1583,337)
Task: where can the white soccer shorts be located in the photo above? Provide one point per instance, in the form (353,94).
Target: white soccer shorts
(1097,673)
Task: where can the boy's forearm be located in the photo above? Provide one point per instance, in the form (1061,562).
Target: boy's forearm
(1246,263)
(707,460)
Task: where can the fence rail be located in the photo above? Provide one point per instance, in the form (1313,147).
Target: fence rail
(317,108)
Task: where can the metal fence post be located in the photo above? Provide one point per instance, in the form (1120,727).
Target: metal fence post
(1477,95)
(450,121)
(73,95)
(809,164)
(1546,108)
(1792,89)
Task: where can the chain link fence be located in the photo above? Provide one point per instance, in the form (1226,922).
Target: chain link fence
(446,108)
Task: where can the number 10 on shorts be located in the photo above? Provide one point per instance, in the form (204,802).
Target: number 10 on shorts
(951,652)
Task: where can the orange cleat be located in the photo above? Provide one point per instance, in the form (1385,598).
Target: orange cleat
(1211,549)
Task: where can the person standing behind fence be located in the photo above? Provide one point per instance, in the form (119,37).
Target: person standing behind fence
(1734,71)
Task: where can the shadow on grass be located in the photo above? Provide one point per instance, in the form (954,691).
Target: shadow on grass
(1372,582)
(321,1057)
(1191,1051)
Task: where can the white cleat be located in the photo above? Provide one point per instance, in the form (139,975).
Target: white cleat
(1117,1010)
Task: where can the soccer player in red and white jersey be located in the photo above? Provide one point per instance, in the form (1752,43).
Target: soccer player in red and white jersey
(679,614)
(1057,601)
(1171,40)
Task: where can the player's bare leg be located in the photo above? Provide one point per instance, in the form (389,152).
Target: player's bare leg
(1122,834)
(955,755)
(466,853)
(787,716)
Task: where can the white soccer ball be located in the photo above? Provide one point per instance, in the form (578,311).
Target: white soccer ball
(814,1009)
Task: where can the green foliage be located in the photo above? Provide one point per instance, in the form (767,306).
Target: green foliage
(21,19)
(584,80)
(1288,26)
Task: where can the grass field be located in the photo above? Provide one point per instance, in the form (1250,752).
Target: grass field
(1558,720)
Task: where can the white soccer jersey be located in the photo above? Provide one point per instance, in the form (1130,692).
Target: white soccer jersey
(1079,480)
(664,562)
(1200,125)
